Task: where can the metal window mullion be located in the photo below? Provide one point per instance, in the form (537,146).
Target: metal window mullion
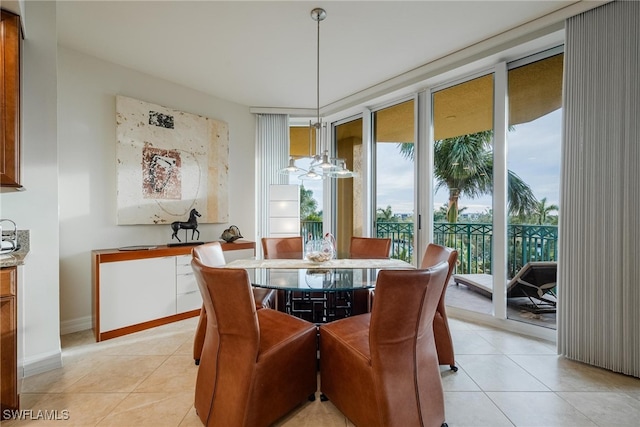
(500,213)
(368,172)
(423,172)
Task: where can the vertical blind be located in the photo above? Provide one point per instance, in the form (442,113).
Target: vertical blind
(272,154)
(599,268)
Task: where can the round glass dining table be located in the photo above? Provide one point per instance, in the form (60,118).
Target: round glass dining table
(316,292)
(319,295)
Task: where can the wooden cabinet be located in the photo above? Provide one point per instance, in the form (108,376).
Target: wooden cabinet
(8,340)
(10,100)
(141,289)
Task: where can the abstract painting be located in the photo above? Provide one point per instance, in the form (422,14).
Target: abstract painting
(169,162)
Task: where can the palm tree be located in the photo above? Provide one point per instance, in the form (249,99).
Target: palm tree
(464,164)
(308,205)
(385,215)
(441,214)
(542,210)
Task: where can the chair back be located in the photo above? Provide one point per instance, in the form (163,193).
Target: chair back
(435,254)
(406,302)
(237,323)
(225,377)
(444,343)
(282,247)
(401,335)
(240,380)
(210,254)
(369,248)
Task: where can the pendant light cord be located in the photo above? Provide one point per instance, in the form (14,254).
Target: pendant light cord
(318,76)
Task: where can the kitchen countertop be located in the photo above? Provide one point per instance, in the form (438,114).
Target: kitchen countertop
(17,258)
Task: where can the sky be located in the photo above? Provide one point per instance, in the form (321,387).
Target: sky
(533,154)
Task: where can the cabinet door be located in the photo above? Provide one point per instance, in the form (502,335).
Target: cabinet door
(10,100)
(136,291)
(8,340)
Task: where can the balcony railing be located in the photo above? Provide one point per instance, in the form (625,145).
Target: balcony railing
(311,230)
(401,234)
(474,242)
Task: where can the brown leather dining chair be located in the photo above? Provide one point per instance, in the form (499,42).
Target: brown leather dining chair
(369,248)
(282,247)
(211,254)
(381,368)
(436,254)
(256,365)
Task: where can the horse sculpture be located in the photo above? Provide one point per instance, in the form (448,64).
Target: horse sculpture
(192,224)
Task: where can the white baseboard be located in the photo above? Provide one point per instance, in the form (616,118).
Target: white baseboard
(75,325)
(41,363)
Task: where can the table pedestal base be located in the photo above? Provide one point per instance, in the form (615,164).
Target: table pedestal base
(323,307)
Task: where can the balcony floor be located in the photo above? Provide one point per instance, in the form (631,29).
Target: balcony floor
(460,296)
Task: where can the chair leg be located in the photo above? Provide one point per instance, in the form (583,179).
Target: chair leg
(454,368)
(198,340)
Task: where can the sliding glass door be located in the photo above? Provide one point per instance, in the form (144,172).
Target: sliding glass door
(463,185)
(534,143)
(393,169)
(493,193)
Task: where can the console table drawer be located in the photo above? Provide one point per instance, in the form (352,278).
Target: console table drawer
(188,301)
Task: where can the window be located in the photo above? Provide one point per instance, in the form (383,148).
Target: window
(394,143)
(463,183)
(534,145)
(350,203)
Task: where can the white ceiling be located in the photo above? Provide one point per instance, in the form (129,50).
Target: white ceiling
(263,53)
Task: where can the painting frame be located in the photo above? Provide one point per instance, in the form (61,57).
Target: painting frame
(169,162)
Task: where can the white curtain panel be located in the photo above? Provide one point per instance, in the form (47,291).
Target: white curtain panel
(272,154)
(599,268)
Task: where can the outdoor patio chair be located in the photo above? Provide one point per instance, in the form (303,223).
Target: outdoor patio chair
(536,281)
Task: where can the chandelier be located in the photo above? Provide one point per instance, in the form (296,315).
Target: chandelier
(322,166)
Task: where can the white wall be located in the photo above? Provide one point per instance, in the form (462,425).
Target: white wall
(36,209)
(68,168)
(87,88)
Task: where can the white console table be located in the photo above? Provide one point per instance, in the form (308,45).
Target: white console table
(139,289)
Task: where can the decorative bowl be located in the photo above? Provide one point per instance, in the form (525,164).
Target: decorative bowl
(231,234)
(319,256)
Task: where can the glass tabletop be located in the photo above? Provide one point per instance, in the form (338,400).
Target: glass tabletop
(325,280)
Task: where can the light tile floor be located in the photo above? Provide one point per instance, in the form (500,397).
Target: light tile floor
(505,379)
